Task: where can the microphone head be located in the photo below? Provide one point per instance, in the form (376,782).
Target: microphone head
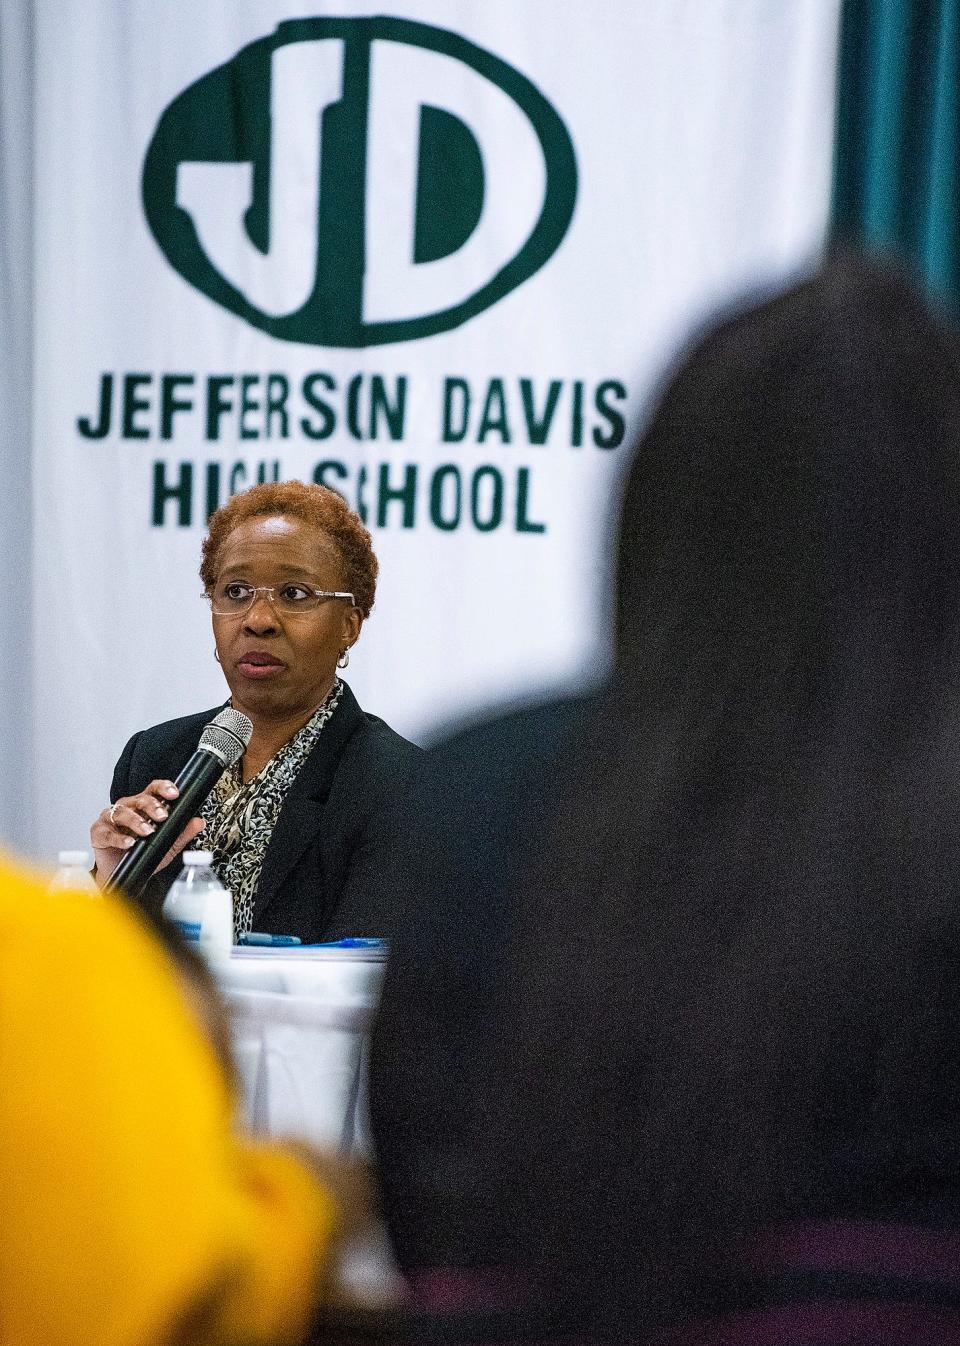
(227,735)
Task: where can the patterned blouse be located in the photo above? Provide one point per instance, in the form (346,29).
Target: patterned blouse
(241,817)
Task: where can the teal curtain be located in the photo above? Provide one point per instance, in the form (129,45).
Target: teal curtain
(896,183)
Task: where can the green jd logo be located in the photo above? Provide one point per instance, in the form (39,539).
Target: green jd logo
(349,182)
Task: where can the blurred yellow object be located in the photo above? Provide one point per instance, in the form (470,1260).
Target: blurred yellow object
(130,1211)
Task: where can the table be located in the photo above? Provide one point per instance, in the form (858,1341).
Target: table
(300,1020)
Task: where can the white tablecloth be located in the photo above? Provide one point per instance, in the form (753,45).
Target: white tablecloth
(300,1023)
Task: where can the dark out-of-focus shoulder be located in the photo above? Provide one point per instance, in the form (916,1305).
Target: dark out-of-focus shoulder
(519,742)
(462,836)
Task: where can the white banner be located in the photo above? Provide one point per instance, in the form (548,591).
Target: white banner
(436,255)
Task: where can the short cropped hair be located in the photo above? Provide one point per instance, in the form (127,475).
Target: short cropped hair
(327,511)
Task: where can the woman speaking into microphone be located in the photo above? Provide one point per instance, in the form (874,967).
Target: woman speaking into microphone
(296,825)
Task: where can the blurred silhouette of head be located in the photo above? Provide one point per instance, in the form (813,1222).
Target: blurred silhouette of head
(792,507)
(725,971)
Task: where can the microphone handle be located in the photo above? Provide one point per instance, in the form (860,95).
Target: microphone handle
(195,782)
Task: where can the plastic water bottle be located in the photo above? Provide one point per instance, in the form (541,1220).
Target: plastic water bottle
(73,874)
(201,908)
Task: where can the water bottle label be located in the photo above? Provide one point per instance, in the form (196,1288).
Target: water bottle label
(190,930)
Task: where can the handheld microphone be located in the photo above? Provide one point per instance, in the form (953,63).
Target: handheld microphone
(221,744)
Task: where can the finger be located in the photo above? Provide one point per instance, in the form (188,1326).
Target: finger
(153,801)
(130,816)
(105,836)
(193,829)
(108,849)
(150,807)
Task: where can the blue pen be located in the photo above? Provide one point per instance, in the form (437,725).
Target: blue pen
(352,942)
(267,941)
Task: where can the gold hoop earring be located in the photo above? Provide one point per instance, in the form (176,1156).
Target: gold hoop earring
(344,658)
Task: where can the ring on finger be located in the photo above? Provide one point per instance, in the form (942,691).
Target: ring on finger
(113,809)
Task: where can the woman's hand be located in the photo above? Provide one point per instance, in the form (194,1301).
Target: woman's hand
(117,828)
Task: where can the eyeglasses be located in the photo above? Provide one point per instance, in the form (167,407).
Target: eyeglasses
(236,598)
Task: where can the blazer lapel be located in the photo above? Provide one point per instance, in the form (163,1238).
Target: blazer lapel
(299,820)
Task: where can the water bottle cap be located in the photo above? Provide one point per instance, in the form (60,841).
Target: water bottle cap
(198,857)
(71,858)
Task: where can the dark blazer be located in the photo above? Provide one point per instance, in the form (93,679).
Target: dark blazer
(327,870)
